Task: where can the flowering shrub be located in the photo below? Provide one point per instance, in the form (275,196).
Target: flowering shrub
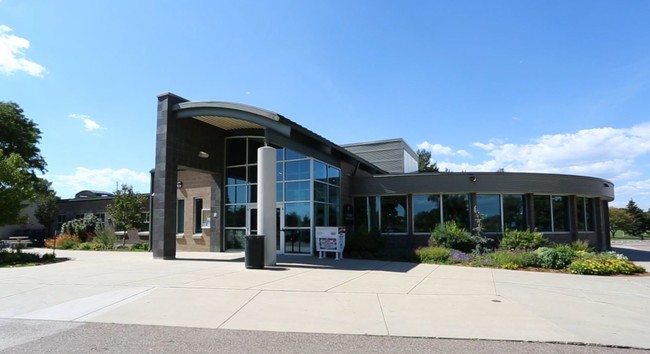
(64,242)
(606,263)
(456,256)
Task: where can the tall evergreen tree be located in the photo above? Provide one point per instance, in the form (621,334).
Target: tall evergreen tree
(637,226)
(424,161)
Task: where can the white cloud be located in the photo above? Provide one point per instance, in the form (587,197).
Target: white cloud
(89,124)
(599,151)
(105,179)
(12,58)
(437,149)
(616,154)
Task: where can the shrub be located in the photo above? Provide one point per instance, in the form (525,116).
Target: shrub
(433,255)
(84,227)
(522,240)
(555,258)
(23,258)
(581,245)
(85,246)
(141,246)
(606,263)
(364,244)
(508,259)
(450,235)
(64,242)
(105,239)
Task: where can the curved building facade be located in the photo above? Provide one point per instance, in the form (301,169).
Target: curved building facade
(207,184)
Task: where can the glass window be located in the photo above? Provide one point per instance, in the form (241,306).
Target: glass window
(334,175)
(297,170)
(320,171)
(489,208)
(279,175)
(580,211)
(361,214)
(320,193)
(514,215)
(252,174)
(393,214)
(320,214)
(147,221)
(235,238)
(279,192)
(297,191)
(198,206)
(542,213)
(589,212)
(455,207)
(279,153)
(236,175)
(292,155)
(252,193)
(235,216)
(235,151)
(235,194)
(560,214)
(297,215)
(333,195)
(334,215)
(253,145)
(426,213)
(180,216)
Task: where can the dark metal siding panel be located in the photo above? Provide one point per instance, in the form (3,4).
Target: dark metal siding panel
(515,183)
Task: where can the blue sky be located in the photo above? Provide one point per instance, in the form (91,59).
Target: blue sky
(537,86)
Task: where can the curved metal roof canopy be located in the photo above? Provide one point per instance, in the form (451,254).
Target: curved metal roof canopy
(231,116)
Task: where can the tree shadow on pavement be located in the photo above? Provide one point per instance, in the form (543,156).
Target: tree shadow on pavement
(634,255)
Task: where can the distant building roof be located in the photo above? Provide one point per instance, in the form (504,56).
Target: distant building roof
(93,194)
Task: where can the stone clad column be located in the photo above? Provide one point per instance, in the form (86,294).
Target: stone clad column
(163,215)
(266,202)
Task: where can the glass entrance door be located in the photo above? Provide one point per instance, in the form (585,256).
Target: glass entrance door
(251,222)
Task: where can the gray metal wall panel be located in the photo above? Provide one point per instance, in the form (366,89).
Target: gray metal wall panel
(486,182)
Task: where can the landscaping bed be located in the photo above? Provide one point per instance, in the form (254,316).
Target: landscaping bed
(518,249)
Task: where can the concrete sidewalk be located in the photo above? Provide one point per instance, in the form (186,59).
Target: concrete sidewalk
(305,294)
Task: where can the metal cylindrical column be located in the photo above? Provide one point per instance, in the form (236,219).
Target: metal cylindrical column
(266,202)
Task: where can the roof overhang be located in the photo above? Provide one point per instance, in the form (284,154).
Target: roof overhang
(231,116)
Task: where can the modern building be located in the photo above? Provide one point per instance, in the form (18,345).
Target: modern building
(88,202)
(208,180)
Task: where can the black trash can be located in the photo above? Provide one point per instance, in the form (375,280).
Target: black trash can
(254,252)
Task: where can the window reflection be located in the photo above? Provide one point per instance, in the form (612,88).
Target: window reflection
(426,213)
(455,207)
(393,214)
(489,208)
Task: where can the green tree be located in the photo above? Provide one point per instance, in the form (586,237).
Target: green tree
(637,226)
(424,161)
(619,220)
(20,135)
(16,188)
(47,210)
(126,210)
(20,158)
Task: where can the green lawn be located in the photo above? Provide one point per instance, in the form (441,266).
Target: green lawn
(620,235)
